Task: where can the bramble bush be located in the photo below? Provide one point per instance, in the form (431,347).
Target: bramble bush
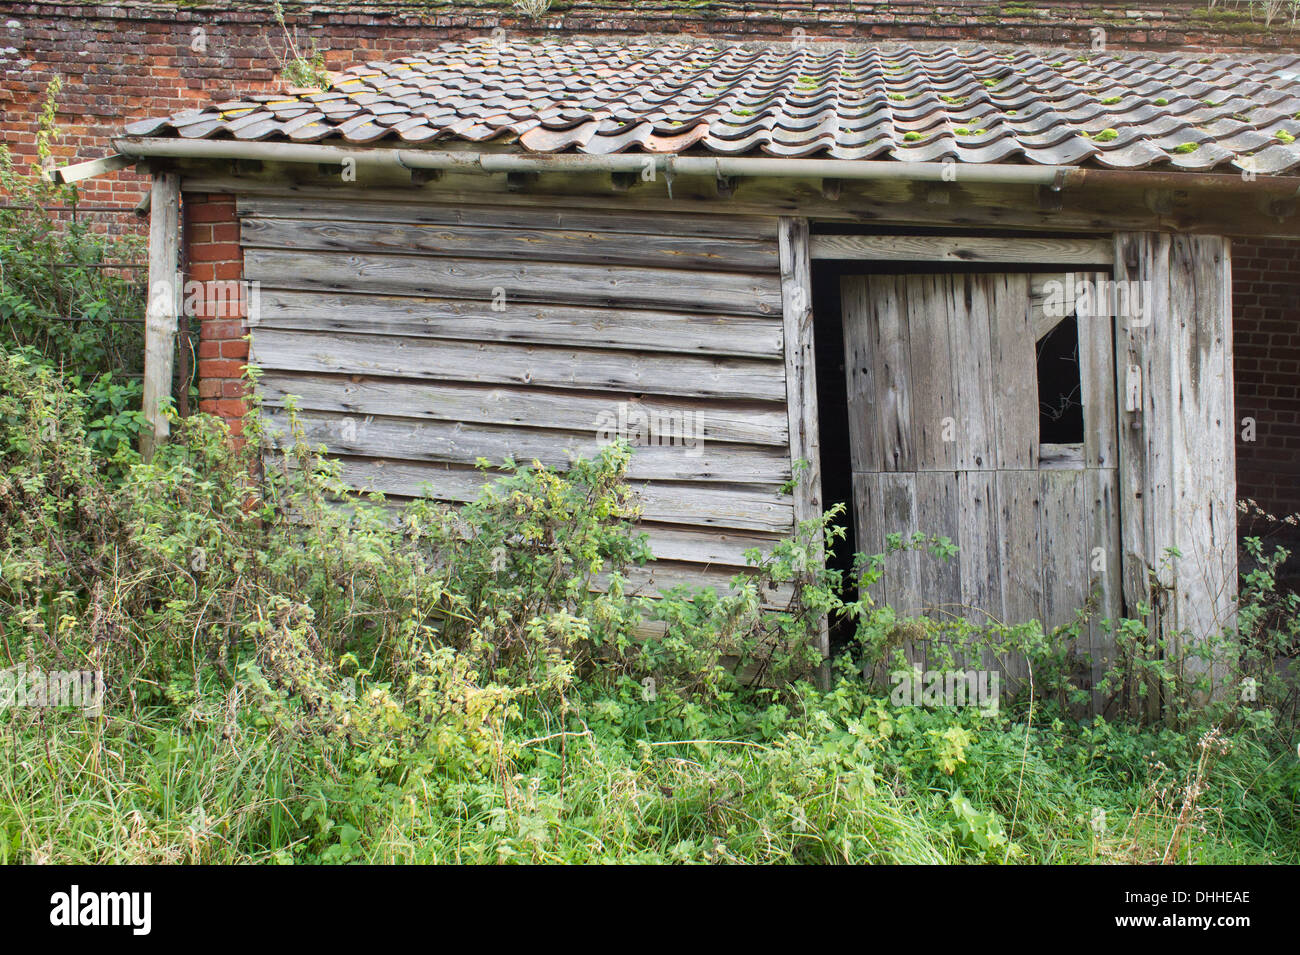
(301,673)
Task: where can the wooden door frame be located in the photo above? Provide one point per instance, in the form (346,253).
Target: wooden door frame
(801,394)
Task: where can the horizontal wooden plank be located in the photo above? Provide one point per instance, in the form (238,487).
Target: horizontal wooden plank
(1060,457)
(933,248)
(1095,206)
(714,547)
(404,209)
(460,443)
(719,550)
(490,363)
(741,423)
(659,577)
(661,249)
(521,322)
(728,293)
(697,505)
(663,573)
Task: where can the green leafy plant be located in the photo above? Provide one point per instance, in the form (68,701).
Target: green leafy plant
(297,672)
(71,297)
(301,68)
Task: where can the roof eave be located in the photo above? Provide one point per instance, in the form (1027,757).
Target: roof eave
(142,148)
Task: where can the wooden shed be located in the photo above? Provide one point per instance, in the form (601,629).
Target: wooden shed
(981,293)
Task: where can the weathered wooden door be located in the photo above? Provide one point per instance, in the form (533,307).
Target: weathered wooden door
(945,426)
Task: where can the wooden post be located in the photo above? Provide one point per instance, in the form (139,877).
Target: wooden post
(801,390)
(161,313)
(1177,432)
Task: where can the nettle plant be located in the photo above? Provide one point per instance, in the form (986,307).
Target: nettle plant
(1245,672)
(212,558)
(955,638)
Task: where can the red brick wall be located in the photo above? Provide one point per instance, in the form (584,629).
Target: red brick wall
(1266,326)
(213,256)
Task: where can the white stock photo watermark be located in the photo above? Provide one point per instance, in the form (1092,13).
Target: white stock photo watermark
(642,427)
(52,689)
(1129,299)
(958,688)
(215,298)
(76,908)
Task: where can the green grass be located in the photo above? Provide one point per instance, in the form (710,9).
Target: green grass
(843,777)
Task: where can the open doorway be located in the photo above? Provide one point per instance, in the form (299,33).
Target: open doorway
(964,416)
(833,427)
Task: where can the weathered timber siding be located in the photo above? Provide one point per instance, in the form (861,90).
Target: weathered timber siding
(420,339)
(1177,433)
(944,433)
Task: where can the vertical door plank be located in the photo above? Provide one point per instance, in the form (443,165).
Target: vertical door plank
(1103,570)
(969,331)
(1137,256)
(934,411)
(1019,517)
(1096,319)
(902,569)
(1204,487)
(865,441)
(869,518)
(1064,546)
(981,589)
(877,364)
(938,510)
(893,379)
(1014,371)
(898,502)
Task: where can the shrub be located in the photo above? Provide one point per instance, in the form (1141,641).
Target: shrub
(61,300)
(297,672)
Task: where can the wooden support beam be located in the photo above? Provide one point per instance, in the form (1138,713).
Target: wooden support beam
(90,169)
(1177,438)
(942,248)
(939,195)
(1096,208)
(161,313)
(1049,199)
(801,389)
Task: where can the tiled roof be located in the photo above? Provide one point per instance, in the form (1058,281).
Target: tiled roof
(1117,110)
